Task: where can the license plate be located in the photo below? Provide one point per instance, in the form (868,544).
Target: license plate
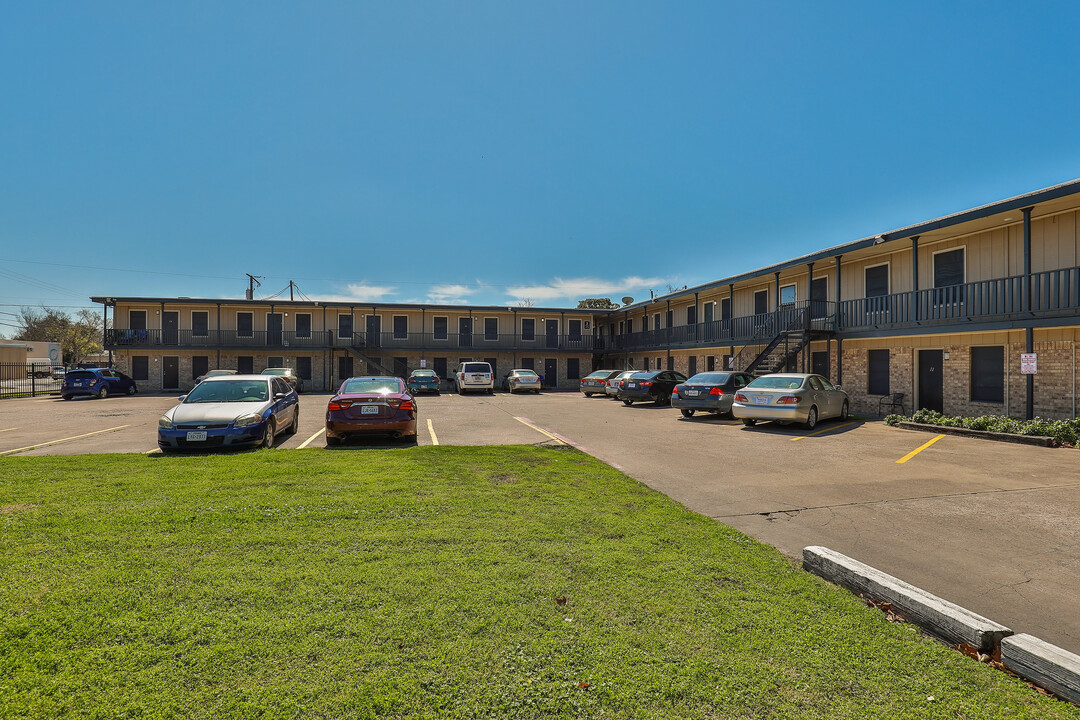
(194,436)
(369,409)
(691,393)
(631,385)
(761,399)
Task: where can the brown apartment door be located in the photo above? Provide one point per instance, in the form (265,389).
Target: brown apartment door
(170,328)
(170,373)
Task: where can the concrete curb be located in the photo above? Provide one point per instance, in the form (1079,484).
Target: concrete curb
(1043,664)
(939,617)
(1038,440)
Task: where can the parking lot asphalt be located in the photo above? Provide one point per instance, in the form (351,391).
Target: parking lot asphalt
(993,527)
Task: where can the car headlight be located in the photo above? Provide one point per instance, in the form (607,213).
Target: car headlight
(165,422)
(247,420)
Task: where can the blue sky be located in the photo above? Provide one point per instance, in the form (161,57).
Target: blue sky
(489,153)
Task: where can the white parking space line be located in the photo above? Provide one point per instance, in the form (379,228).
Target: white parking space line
(431,431)
(61,440)
(312,439)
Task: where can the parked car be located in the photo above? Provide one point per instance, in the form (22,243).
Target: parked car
(290,376)
(96,382)
(596,381)
(214,373)
(656,386)
(790,397)
(230,411)
(59,372)
(711,392)
(423,381)
(613,385)
(370,406)
(475,376)
(522,379)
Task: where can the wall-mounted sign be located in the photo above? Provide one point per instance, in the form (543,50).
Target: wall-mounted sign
(1029,363)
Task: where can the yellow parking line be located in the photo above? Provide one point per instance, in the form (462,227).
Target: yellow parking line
(431,431)
(8,429)
(919,449)
(828,429)
(61,440)
(541,430)
(311,439)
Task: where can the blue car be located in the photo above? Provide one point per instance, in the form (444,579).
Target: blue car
(423,381)
(231,411)
(96,382)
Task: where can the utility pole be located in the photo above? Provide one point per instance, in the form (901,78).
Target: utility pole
(290,290)
(253,280)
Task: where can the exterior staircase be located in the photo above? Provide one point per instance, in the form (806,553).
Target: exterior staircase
(775,356)
(371,362)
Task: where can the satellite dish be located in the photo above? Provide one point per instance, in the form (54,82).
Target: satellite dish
(627,300)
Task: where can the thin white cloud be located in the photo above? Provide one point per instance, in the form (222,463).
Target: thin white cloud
(580,288)
(450,294)
(360,292)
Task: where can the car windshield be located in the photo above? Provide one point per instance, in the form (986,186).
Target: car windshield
(776,382)
(423,373)
(371,386)
(599,374)
(221,391)
(709,379)
(81,375)
(644,375)
(476,368)
(277,371)
(525,373)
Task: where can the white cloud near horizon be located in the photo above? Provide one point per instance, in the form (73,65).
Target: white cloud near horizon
(451,294)
(581,288)
(360,292)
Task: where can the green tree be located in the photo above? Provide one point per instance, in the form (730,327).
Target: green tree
(79,336)
(597,304)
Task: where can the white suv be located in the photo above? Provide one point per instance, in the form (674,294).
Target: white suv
(475,376)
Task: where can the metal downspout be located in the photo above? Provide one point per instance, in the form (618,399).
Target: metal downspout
(1029,332)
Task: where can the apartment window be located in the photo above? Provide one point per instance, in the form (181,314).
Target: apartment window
(691,315)
(729,362)
(491,328)
(659,362)
(528,363)
(137,320)
(574,330)
(710,308)
(245,324)
(573,368)
(401,366)
(646,362)
(345,326)
(710,363)
(725,309)
(275,362)
(200,365)
(670,363)
(949,276)
(245,365)
(656,321)
(691,369)
(669,318)
(200,324)
(761,302)
(630,325)
(528,329)
(303,368)
(440,367)
(439,328)
(877,281)
(988,374)
(787,295)
(303,327)
(401,327)
(493,362)
(877,362)
(140,367)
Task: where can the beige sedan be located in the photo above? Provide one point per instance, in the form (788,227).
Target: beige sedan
(790,397)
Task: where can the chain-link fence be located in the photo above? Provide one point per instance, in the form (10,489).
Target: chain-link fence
(30,380)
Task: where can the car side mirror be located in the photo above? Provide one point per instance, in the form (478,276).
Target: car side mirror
(280,396)
(838,387)
(182,398)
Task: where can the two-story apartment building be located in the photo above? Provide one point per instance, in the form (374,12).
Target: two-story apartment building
(973,313)
(165,343)
(943,311)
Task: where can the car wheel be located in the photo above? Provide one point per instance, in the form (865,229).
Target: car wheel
(537,391)
(811,418)
(132,390)
(295,423)
(659,399)
(749,422)
(588,394)
(844,411)
(66,397)
(103,392)
(628,402)
(268,435)
(687,413)
(332,441)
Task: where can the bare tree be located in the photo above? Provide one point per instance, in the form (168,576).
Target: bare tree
(526,302)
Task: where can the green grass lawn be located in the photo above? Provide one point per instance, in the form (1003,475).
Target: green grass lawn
(427,583)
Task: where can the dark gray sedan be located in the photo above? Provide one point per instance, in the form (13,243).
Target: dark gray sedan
(711,392)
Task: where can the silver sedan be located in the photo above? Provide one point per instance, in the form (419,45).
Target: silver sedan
(790,397)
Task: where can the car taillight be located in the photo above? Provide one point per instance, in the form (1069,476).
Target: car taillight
(603,382)
(788,400)
(647,383)
(400,404)
(739,397)
(716,391)
(677,389)
(338,405)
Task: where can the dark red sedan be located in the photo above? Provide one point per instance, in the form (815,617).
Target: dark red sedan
(370,406)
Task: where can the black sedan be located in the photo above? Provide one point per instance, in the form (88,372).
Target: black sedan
(656,386)
(711,392)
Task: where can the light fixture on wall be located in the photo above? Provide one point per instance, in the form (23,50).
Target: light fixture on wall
(945,355)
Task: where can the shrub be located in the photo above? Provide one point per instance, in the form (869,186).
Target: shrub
(1063,432)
